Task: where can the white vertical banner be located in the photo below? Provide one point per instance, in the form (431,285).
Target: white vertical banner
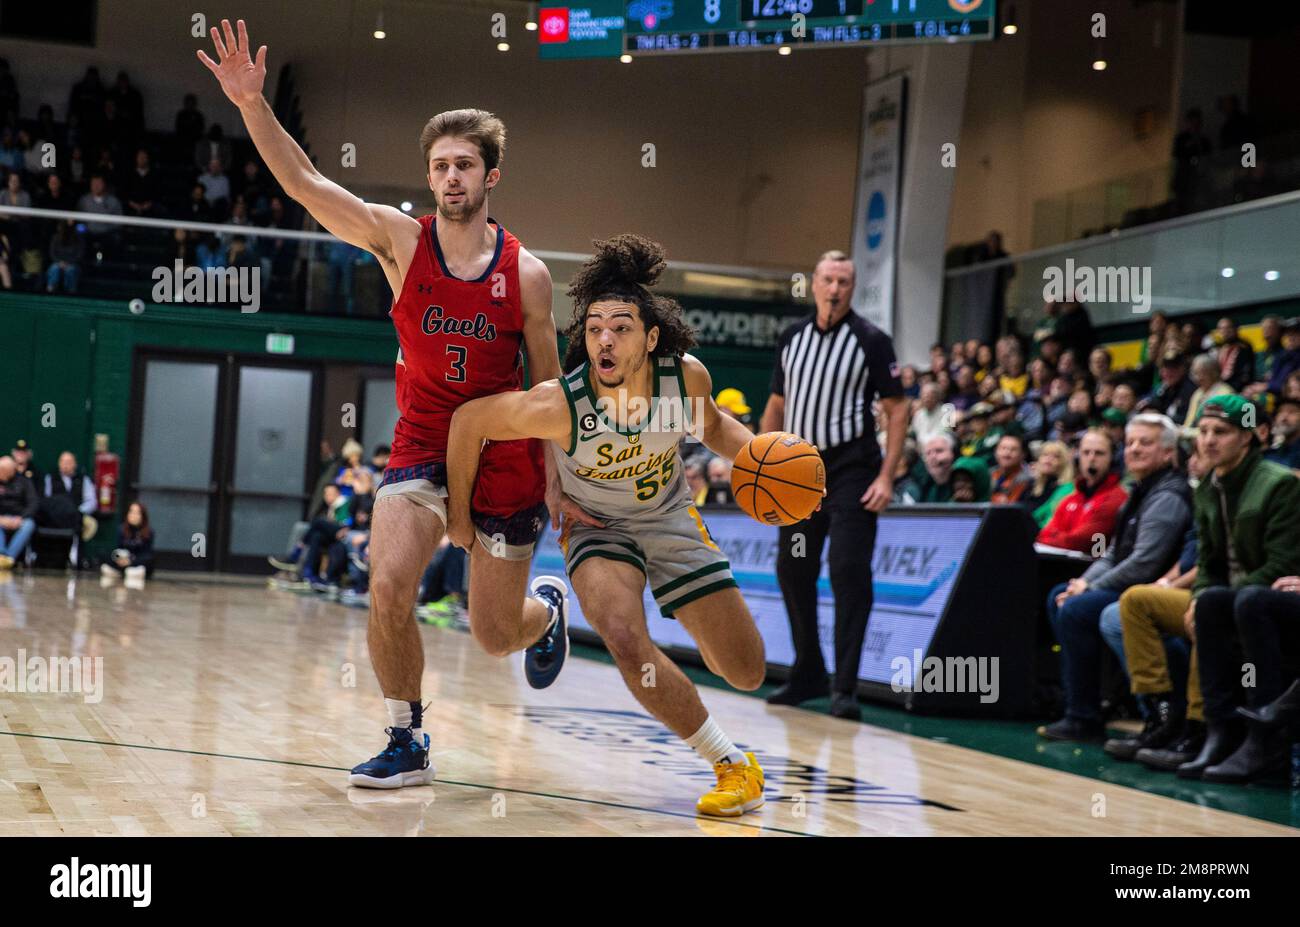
(876,203)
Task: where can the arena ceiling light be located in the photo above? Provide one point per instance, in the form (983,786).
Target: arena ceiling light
(531,23)
(379,26)
(1009,27)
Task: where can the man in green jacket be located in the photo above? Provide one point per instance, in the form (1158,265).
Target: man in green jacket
(1248,521)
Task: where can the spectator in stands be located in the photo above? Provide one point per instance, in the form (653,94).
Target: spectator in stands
(1270,329)
(976,439)
(1248,525)
(1014,379)
(78,170)
(983,362)
(1099,364)
(16,229)
(67,253)
(189,127)
(18,504)
(87,98)
(1124,398)
(1147,540)
(351,467)
(13,194)
(970,480)
(142,189)
(1081,403)
(1115,424)
(965,390)
(1053,481)
(911,386)
(379,458)
(55,195)
(22,454)
(1236,358)
(11,156)
(696,483)
(196,209)
(330,526)
(254,188)
(1150,614)
(1086,517)
(1174,397)
(342,259)
(100,202)
(133,556)
(208,253)
(1285,449)
(129,103)
(185,242)
(278,254)
(1288,361)
(441,595)
(931,480)
(718,474)
(216,147)
(216,187)
(1205,374)
(1010,479)
(931,414)
(1074,329)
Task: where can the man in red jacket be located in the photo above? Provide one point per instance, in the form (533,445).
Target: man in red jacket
(1086,517)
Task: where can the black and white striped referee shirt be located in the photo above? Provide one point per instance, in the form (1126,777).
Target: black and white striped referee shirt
(828,378)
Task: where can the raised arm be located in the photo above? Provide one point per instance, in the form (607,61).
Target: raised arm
(542,412)
(368,226)
(720,433)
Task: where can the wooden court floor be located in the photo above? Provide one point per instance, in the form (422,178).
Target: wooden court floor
(233,709)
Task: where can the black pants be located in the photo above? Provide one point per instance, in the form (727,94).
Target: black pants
(852,533)
(1252,625)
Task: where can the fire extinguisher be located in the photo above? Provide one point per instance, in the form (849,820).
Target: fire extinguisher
(107,467)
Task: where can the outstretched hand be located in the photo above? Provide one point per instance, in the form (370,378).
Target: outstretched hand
(241,77)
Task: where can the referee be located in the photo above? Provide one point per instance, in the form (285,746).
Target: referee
(829,367)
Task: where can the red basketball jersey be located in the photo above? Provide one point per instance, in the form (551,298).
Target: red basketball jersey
(458,340)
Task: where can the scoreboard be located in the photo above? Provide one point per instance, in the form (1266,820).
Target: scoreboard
(611,28)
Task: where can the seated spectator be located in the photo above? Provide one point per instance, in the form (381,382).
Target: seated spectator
(351,466)
(931,479)
(1174,396)
(1014,379)
(1147,540)
(1285,449)
(731,401)
(965,390)
(13,194)
(1235,357)
(1057,401)
(970,480)
(1150,615)
(189,126)
(931,414)
(68,501)
(196,208)
(100,202)
(323,531)
(1069,428)
(1011,479)
(1291,389)
(133,556)
(718,475)
(1124,398)
(983,362)
(216,147)
(216,187)
(1270,329)
(441,595)
(67,254)
(254,188)
(1068,366)
(142,190)
(18,504)
(1205,374)
(11,156)
(696,483)
(22,454)
(1099,365)
(379,458)
(911,386)
(976,431)
(1289,360)
(1086,517)
(1115,425)
(1053,481)
(1248,525)
(208,252)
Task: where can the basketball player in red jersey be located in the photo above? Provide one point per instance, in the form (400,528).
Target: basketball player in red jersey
(469,298)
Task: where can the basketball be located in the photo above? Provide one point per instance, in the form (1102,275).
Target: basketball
(778,478)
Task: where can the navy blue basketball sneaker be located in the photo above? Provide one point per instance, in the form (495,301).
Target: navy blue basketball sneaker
(544,659)
(403,762)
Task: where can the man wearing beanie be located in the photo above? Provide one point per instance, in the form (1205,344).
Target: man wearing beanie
(1248,520)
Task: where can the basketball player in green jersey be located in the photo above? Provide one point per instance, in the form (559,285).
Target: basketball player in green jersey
(615,423)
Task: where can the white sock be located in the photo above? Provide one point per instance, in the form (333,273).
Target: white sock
(713,745)
(400,715)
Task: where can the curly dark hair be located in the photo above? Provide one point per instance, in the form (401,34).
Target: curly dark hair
(623,268)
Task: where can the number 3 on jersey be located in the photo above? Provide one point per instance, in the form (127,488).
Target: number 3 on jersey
(457,372)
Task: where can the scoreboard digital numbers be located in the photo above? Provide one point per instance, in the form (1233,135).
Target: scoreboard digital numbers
(611,28)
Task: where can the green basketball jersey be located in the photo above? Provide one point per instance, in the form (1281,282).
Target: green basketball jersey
(618,473)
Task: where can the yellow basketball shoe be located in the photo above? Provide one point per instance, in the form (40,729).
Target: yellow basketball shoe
(739,789)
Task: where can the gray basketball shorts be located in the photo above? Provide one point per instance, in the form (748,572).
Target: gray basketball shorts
(674,550)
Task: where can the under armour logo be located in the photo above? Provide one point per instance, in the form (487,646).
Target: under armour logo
(424,287)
